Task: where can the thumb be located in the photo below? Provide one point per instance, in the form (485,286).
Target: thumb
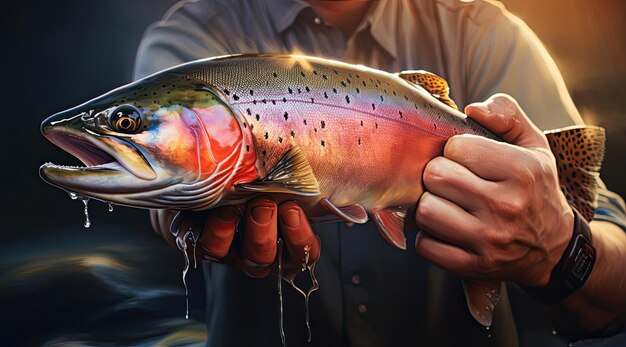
(503,116)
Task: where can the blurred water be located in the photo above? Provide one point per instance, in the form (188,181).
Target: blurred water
(106,286)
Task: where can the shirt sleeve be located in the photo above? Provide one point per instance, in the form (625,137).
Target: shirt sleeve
(505,56)
(181,36)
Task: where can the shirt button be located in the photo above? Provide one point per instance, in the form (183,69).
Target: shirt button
(317,20)
(355,279)
(362,308)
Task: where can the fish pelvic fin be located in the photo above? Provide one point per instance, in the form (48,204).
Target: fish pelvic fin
(579,151)
(352,214)
(482,297)
(435,85)
(390,223)
(292,174)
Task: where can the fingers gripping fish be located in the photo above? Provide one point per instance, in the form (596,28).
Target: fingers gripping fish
(348,142)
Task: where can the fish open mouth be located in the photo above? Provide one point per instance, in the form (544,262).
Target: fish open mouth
(111,165)
(83,149)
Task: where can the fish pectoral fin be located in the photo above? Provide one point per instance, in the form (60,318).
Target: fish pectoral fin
(390,223)
(352,214)
(579,151)
(435,85)
(292,174)
(482,297)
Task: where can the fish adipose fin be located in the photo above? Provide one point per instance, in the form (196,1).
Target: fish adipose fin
(352,214)
(579,151)
(390,223)
(292,174)
(482,298)
(435,85)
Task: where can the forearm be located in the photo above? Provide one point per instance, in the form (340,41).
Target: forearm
(601,302)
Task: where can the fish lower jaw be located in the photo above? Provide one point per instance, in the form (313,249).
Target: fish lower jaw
(110,165)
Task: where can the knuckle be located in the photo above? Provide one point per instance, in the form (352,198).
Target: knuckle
(500,239)
(513,207)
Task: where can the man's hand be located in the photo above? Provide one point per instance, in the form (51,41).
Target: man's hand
(494,210)
(254,251)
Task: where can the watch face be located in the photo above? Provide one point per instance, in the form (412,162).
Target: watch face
(580,261)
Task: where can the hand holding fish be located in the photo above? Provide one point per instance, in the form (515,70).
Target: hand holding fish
(255,251)
(494,210)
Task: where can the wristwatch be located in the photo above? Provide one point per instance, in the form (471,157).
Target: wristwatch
(573,269)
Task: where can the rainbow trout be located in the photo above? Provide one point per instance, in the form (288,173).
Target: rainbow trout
(348,142)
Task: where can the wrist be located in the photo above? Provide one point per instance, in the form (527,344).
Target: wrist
(572,269)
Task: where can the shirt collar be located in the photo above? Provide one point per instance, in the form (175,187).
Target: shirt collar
(283,13)
(380,22)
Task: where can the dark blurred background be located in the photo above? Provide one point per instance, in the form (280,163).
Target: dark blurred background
(58,54)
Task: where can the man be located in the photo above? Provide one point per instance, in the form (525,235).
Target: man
(483,219)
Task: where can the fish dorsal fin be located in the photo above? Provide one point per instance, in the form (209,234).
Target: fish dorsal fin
(579,151)
(435,85)
(353,213)
(292,174)
(482,298)
(390,223)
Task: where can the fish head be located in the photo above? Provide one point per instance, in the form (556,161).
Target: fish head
(155,143)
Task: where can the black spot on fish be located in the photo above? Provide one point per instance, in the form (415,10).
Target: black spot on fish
(226,91)
(266,135)
(293,134)
(315,129)
(251,92)
(290,90)
(284,99)
(382,99)
(323,124)
(286,115)
(254,101)
(275,74)
(312,100)
(314,72)
(373,106)
(358,91)
(335,90)
(347,99)
(325,95)
(236,97)
(364,84)
(359,141)
(264,164)
(324,77)
(406,98)
(335,71)
(251,126)
(357,76)
(245,125)
(361,122)
(435,126)
(258,117)
(323,143)
(376,125)
(394,93)
(299,91)
(302,73)
(348,80)
(400,112)
(273,102)
(307,89)
(304,121)
(247,148)
(343,83)
(264,152)
(280,139)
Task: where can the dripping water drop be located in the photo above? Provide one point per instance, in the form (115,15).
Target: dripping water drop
(110,207)
(280,290)
(87,223)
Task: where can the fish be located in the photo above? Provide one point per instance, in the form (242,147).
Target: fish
(346,141)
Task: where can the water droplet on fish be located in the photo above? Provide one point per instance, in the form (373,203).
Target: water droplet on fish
(488,336)
(73,195)
(181,242)
(110,207)
(570,344)
(554,332)
(87,223)
(487,328)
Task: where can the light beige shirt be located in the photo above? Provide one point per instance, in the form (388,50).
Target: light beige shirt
(371,294)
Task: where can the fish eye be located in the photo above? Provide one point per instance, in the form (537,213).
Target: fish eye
(125,119)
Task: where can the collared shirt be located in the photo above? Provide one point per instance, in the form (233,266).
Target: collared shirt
(371,293)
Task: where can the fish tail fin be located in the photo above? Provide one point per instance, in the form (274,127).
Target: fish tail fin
(579,151)
(482,297)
